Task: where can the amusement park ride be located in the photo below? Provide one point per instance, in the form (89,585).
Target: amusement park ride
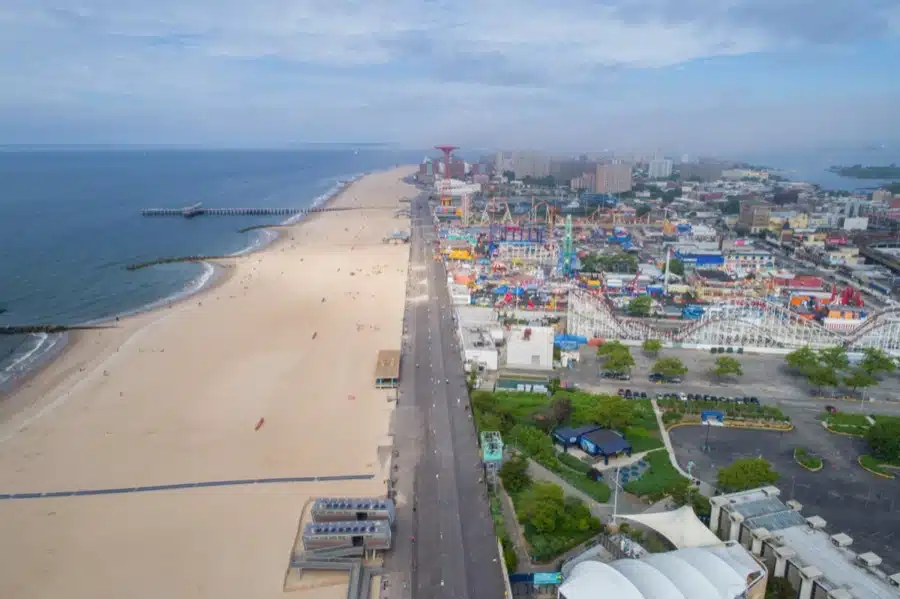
(739,322)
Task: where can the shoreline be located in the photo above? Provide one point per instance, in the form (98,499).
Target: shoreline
(220,270)
(269,376)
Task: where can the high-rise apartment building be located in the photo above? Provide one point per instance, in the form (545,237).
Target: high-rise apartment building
(754,216)
(530,164)
(612,178)
(660,168)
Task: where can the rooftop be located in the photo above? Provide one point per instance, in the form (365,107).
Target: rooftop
(387,364)
(761,508)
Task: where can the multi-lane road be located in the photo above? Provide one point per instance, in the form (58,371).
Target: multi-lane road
(445,545)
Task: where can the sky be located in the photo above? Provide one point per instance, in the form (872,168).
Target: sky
(557,75)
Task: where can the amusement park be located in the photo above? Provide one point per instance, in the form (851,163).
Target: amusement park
(597,268)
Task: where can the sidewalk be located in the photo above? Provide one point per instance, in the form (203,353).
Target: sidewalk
(514,529)
(704,487)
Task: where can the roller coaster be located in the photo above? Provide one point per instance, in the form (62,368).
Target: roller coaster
(748,323)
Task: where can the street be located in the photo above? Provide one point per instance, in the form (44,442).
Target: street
(445,544)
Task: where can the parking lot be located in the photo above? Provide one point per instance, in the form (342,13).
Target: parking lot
(851,500)
(765,377)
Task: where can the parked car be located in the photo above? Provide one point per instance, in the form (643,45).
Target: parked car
(831,409)
(682,396)
(627,393)
(656,378)
(612,374)
(643,395)
(621,392)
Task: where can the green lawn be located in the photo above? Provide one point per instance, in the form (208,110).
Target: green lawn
(848,423)
(876,465)
(658,480)
(731,410)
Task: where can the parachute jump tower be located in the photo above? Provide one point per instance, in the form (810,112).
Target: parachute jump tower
(446,197)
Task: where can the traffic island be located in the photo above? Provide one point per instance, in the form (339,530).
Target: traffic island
(808,460)
(873,466)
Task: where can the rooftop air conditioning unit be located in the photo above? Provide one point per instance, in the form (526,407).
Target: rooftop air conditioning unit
(894,579)
(841,540)
(870,560)
(816,522)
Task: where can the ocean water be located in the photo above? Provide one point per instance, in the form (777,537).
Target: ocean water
(812,166)
(70,222)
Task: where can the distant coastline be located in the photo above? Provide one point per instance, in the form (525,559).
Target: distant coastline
(858,171)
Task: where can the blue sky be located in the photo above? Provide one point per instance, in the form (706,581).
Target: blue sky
(676,75)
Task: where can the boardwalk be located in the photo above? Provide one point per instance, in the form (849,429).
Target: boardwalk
(193,485)
(199,210)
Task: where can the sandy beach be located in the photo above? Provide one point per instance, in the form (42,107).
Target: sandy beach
(289,335)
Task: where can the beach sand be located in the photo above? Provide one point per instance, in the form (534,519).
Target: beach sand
(290,336)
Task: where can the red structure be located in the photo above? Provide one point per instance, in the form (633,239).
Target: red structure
(446,199)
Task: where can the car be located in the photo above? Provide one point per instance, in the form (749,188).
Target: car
(627,393)
(682,397)
(621,392)
(656,378)
(831,409)
(660,396)
(707,397)
(754,399)
(643,395)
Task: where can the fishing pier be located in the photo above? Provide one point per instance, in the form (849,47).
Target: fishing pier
(198,210)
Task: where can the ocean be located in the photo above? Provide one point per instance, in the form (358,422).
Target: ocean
(70,222)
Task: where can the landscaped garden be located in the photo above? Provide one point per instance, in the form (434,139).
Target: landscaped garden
(846,423)
(657,481)
(552,523)
(525,421)
(677,410)
(808,460)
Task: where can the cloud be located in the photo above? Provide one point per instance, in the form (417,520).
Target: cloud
(384,67)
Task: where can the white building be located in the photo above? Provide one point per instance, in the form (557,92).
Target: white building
(856,223)
(479,334)
(660,169)
(717,572)
(530,348)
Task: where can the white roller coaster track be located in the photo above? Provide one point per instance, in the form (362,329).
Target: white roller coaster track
(754,324)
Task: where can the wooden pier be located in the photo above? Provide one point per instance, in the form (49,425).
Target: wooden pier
(199,210)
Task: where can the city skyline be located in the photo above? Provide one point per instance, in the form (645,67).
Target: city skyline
(700,77)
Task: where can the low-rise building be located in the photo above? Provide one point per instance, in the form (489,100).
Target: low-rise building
(530,348)
(817,564)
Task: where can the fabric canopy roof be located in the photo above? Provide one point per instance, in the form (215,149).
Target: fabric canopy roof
(681,527)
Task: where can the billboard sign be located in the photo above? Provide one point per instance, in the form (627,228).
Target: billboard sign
(547,578)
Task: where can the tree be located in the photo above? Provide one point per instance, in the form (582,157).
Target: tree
(543,507)
(514,474)
(676,267)
(619,361)
(611,412)
(561,407)
(669,367)
(822,376)
(651,346)
(510,176)
(640,306)
(884,439)
(746,473)
(727,366)
(533,442)
(876,362)
(834,358)
(803,360)
(611,347)
(860,379)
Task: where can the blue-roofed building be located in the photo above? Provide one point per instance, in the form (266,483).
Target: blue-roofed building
(604,442)
(568,436)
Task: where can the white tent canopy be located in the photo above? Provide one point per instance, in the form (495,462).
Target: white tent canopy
(681,527)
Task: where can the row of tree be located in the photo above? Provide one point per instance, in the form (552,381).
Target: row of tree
(617,358)
(831,367)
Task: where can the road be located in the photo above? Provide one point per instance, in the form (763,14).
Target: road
(444,507)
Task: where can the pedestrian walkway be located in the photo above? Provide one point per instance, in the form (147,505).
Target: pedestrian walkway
(704,488)
(516,534)
(183,486)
